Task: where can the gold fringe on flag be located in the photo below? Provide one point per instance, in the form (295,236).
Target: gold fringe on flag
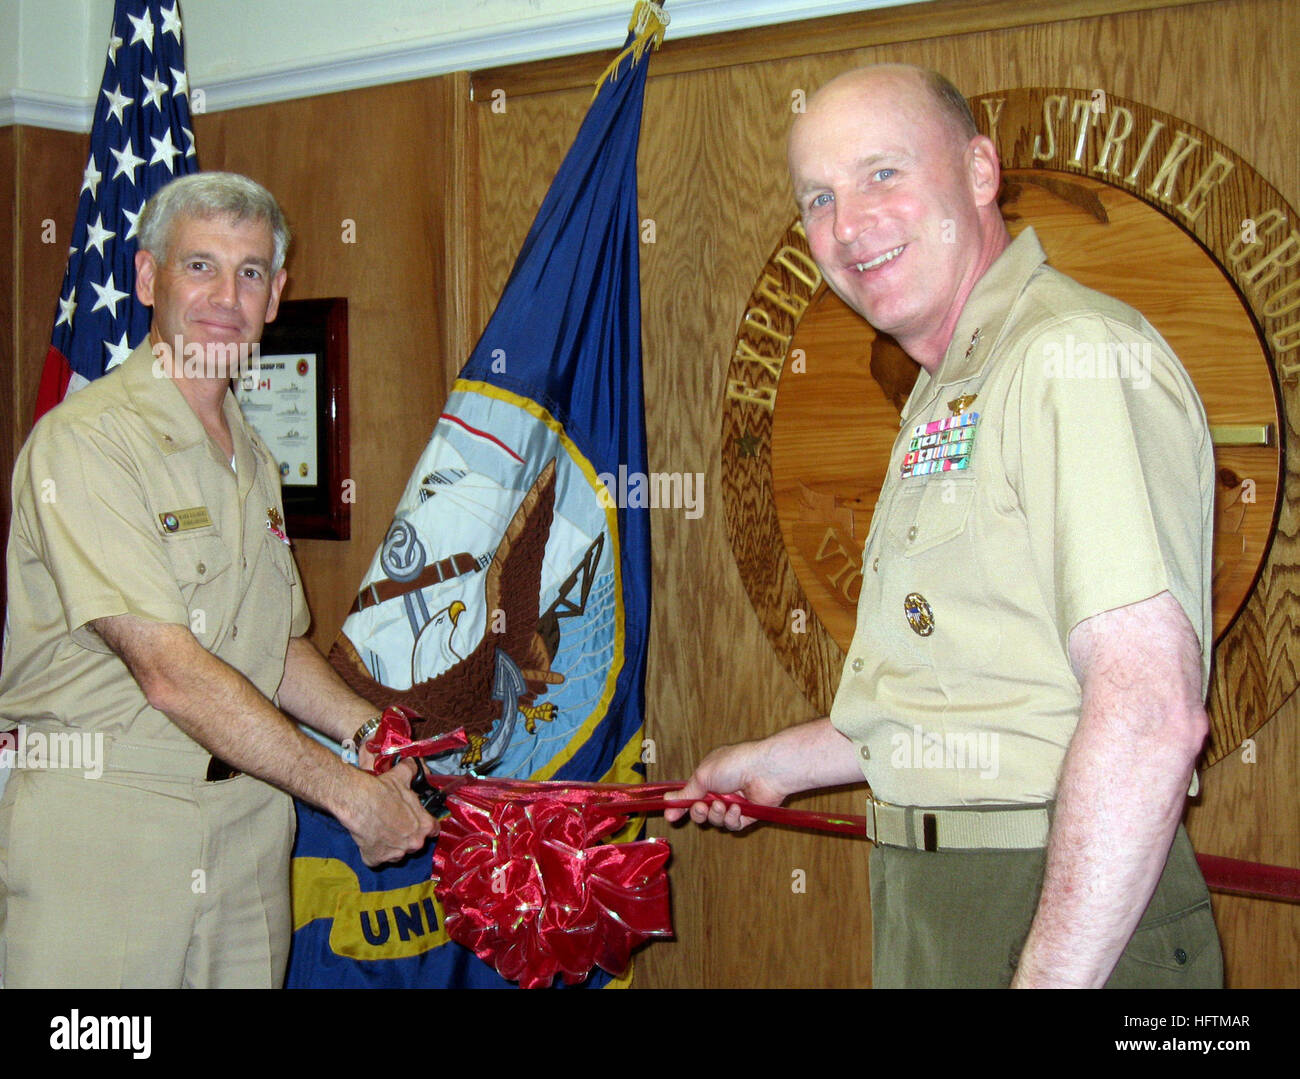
(649,21)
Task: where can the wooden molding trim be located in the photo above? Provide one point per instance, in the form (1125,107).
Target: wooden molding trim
(834,33)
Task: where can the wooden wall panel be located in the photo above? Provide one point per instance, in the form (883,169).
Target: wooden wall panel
(712,175)
(381,158)
(40,175)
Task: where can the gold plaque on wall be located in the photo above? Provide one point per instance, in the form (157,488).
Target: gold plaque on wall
(1127,200)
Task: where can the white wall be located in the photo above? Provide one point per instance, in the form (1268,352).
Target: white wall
(246,52)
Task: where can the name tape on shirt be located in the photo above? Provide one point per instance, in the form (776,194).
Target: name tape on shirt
(941,445)
(184,520)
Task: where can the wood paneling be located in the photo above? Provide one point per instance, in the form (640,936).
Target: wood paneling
(40,174)
(832,34)
(712,175)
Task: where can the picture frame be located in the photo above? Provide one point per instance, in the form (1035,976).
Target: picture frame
(297,400)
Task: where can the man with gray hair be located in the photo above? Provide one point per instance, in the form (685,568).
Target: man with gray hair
(155,608)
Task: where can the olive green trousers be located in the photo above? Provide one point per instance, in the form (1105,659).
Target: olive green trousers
(959,919)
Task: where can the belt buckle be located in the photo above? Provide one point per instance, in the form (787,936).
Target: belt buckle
(219,771)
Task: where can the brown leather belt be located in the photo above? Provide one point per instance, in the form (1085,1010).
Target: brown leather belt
(436,573)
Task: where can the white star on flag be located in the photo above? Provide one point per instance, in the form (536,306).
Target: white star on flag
(66,308)
(189,138)
(90,178)
(154,90)
(143,30)
(118,103)
(109,296)
(133,217)
(171,22)
(117,352)
(97,235)
(127,162)
(180,82)
(114,43)
(164,151)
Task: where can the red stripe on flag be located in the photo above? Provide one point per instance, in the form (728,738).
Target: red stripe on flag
(54,382)
(481,434)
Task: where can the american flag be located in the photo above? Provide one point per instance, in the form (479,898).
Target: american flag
(141,138)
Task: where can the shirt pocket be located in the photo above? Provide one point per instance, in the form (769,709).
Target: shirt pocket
(932,512)
(937,573)
(201,566)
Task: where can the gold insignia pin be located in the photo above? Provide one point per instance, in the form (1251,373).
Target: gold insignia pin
(273,517)
(919,615)
(958,405)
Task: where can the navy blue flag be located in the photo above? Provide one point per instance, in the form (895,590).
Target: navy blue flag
(511,594)
(140,140)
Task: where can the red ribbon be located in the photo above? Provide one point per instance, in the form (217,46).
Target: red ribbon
(391,741)
(528,884)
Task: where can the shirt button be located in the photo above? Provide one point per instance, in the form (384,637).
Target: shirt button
(234,632)
(864,753)
(911,533)
(857,664)
(875,564)
(201,568)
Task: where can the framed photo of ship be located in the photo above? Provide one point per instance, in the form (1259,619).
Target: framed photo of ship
(296,397)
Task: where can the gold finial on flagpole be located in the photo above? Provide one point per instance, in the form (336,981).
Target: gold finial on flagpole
(649,21)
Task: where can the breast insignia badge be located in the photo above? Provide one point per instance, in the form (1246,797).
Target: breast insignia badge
(958,405)
(919,615)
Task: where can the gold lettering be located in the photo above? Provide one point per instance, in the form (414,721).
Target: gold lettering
(1265,224)
(1115,138)
(856,576)
(1167,174)
(1272,259)
(1285,339)
(770,288)
(994,115)
(1269,308)
(799,264)
(746,354)
(752,395)
(1048,101)
(760,321)
(829,535)
(1195,201)
(1157,126)
(1083,115)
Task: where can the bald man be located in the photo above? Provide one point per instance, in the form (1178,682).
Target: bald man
(1025,687)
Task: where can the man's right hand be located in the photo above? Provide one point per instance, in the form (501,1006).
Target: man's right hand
(385,818)
(767,772)
(739,769)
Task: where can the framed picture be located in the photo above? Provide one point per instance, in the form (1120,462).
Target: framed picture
(297,400)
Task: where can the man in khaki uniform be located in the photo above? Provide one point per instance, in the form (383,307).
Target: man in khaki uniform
(156,618)
(1024,689)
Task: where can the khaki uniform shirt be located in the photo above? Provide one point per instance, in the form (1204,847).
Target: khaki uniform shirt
(124,505)
(1062,467)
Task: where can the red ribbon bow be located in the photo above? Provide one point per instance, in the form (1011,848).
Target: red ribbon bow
(529,886)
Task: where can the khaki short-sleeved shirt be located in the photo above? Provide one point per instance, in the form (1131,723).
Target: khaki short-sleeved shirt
(124,505)
(1057,465)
